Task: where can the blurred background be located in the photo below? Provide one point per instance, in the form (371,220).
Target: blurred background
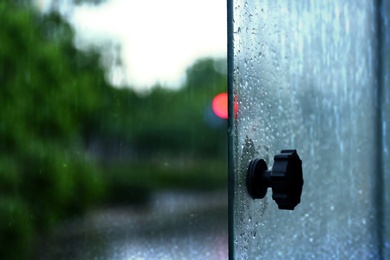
(113,139)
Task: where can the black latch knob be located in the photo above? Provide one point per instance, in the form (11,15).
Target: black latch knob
(285,179)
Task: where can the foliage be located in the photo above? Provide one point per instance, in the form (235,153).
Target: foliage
(127,185)
(167,121)
(46,90)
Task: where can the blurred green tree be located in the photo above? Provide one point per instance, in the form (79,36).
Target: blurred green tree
(171,121)
(47,88)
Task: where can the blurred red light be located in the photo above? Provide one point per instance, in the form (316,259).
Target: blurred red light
(220,105)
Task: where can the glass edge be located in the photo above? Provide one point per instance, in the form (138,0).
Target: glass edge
(230,69)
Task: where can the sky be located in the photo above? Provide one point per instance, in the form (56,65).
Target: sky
(155,40)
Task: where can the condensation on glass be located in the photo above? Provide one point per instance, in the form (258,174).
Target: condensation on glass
(312,76)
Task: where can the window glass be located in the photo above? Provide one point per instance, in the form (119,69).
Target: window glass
(309,75)
(384,80)
(106,157)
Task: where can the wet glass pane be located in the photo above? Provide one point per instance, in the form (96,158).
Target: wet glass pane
(384,80)
(104,157)
(312,76)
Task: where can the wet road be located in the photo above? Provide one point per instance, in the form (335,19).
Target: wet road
(174,226)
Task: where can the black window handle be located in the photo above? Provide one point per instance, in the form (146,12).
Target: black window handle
(285,179)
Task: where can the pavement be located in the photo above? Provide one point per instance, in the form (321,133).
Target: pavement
(175,225)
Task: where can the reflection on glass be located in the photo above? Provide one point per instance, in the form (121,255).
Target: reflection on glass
(91,171)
